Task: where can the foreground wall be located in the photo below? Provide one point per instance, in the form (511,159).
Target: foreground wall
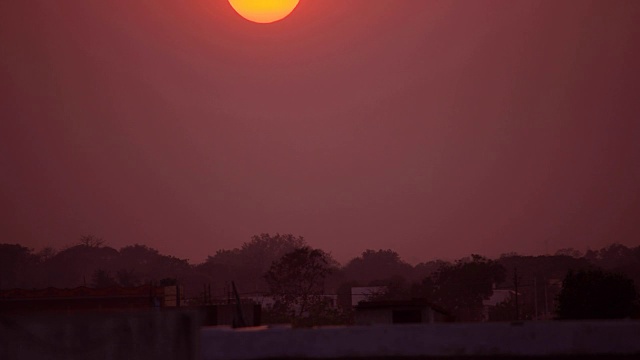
(153,335)
(177,334)
(536,339)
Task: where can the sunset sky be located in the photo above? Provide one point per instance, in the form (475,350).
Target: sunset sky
(434,128)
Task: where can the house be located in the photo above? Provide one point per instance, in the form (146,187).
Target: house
(498,297)
(366,293)
(415,311)
(268,301)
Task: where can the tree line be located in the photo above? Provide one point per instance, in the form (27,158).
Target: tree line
(298,277)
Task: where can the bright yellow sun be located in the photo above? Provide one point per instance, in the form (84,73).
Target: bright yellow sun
(264,11)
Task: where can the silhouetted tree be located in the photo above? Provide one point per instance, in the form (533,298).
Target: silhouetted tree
(75,266)
(101,279)
(254,257)
(612,256)
(461,287)
(426,269)
(144,264)
(374,265)
(265,248)
(16,266)
(536,274)
(127,278)
(569,252)
(91,241)
(596,294)
(297,281)
(539,276)
(396,289)
(46,254)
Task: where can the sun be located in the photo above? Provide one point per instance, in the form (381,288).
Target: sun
(264,11)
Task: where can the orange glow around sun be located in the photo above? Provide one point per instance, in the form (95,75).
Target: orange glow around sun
(264,11)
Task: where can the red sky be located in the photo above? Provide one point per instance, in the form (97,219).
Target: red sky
(435,128)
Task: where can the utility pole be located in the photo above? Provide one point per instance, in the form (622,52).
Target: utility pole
(535,296)
(177,294)
(546,302)
(238,319)
(515,284)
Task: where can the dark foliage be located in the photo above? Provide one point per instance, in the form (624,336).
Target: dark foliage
(297,280)
(372,266)
(461,287)
(102,279)
(596,294)
(246,264)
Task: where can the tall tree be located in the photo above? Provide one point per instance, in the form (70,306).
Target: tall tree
(91,241)
(253,257)
(596,294)
(297,281)
(16,266)
(74,266)
(461,287)
(372,266)
(102,278)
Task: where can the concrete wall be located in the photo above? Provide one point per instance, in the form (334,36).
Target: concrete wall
(216,315)
(536,339)
(382,316)
(373,317)
(153,335)
(176,334)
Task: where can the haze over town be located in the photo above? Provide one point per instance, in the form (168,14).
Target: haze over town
(437,129)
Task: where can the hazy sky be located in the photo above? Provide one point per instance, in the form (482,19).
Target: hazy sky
(435,128)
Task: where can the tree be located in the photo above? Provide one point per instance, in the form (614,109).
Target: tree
(127,278)
(596,294)
(253,257)
(46,254)
(396,286)
(373,265)
(141,264)
(268,248)
(461,287)
(426,269)
(16,262)
(74,266)
(539,278)
(569,252)
(102,278)
(91,241)
(297,282)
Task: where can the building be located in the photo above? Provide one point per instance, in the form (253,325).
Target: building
(247,313)
(415,311)
(269,301)
(114,298)
(498,297)
(366,293)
